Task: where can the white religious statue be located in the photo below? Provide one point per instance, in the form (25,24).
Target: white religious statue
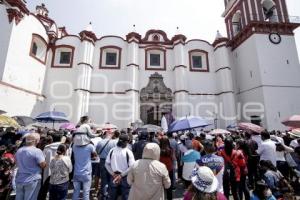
(164,124)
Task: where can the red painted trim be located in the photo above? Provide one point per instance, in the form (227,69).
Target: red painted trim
(220,40)
(222,45)
(285,11)
(19,4)
(179,91)
(178,66)
(164,61)
(119,57)
(202,94)
(167,41)
(247,13)
(111,36)
(190,60)
(222,68)
(133,64)
(21,89)
(14,14)
(198,40)
(54,54)
(262,28)
(31,46)
(83,63)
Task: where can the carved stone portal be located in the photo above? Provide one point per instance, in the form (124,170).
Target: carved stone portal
(156,99)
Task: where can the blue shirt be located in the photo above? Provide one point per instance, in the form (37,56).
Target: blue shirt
(28,160)
(83,162)
(214,162)
(253,197)
(111,144)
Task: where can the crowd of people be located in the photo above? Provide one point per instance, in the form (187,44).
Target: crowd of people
(141,165)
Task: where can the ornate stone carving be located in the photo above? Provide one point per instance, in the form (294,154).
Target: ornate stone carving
(156,90)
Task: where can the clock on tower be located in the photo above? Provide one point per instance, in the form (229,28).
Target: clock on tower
(264,59)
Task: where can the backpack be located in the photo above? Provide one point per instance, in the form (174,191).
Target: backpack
(127,157)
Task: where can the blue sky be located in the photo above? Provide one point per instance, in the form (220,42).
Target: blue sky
(195,18)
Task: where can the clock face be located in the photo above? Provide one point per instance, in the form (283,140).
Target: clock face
(275,38)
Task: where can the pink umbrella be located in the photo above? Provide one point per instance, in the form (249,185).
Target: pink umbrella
(68,126)
(295,132)
(219,131)
(293,121)
(252,127)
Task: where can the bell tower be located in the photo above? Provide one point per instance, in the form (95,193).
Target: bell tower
(264,59)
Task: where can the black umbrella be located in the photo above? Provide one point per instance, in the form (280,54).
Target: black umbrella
(24,120)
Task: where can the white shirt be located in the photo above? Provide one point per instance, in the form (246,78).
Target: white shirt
(267,151)
(294,143)
(117,159)
(257,139)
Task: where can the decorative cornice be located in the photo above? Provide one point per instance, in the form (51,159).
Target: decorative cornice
(203,94)
(178,66)
(133,65)
(19,4)
(88,36)
(87,64)
(262,28)
(222,68)
(220,40)
(181,38)
(110,92)
(133,36)
(14,14)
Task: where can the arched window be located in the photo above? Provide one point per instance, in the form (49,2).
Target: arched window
(38,49)
(269,10)
(236,22)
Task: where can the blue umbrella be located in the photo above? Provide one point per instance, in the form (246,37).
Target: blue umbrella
(52,117)
(187,123)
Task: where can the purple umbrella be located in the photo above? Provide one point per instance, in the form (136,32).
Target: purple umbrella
(68,126)
(187,123)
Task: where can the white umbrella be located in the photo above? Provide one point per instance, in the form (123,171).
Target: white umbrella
(219,131)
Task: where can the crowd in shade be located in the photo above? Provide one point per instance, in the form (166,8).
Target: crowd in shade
(141,165)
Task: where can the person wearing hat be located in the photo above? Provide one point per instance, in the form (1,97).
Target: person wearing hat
(262,192)
(214,162)
(118,163)
(204,185)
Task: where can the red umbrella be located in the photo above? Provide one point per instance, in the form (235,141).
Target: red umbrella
(252,127)
(293,121)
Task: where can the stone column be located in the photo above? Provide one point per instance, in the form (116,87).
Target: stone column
(133,75)
(181,103)
(84,72)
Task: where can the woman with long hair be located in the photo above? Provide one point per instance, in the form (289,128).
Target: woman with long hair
(242,185)
(166,157)
(235,167)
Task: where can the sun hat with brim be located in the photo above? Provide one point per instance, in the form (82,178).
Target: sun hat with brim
(295,132)
(204,180)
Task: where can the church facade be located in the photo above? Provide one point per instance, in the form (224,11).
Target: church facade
(251,75)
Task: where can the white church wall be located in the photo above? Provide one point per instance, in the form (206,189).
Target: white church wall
(19,64)
(280,103)
(109,80)
(22,71)
(279,64)
(247,65)
(113,108)
(61,82)
(5,35)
